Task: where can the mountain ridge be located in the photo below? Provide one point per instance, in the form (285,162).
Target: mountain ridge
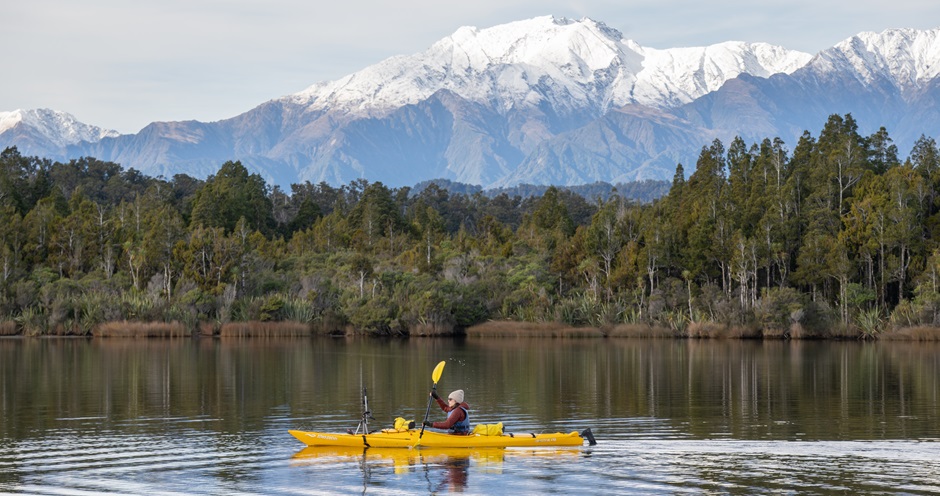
(58,128)
(543,101)
(528,50)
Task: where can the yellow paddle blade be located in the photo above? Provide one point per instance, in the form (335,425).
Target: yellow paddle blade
(436,375)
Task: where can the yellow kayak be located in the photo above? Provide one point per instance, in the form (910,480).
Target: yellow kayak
(382,439)
(413,438)
(404,435)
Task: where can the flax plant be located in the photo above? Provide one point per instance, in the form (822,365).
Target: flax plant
(298,310)
(32,320)
(89,312)
(676,320)
(136,306)
(870,322)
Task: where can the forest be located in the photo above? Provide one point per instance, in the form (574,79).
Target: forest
(836,238)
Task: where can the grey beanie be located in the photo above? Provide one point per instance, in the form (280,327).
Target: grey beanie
(456,396)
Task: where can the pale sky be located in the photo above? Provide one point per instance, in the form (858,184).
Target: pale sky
(121,64)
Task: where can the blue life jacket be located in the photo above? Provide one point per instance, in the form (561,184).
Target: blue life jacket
(463,426)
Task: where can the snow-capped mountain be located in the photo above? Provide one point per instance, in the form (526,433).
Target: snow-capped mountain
(559,62)
(887,79)
(45,131)
(547,100)
(908,58)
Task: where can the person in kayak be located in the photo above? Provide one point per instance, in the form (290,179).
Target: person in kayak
(458,413)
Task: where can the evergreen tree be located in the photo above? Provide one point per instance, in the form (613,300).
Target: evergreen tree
(229,195)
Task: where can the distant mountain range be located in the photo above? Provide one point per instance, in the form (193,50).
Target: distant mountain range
(540,101)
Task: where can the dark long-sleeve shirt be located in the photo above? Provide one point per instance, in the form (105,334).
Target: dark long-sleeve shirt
(457,416)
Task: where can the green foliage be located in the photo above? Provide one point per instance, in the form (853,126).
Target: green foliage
(859,296)
(870,322)
(375,215)
(470,304)
(23,180)
(232,194)
(137,306)
(676,319)
(274,307)
(31,321)
(298,310)
(838,233)
(374,315)
(306,215)
(194,303)
(778,308)
(90,310)
(586,310)
(271,307)
(905,314)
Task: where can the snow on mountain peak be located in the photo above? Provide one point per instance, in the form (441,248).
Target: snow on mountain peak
(523,63)
(906,57)
(679,75)
(541,41)
(60,128)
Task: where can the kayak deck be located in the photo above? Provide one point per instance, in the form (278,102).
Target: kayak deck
(414,439)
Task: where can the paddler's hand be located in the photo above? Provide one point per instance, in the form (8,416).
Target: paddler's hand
(435,395)
(411,425)
(428,423)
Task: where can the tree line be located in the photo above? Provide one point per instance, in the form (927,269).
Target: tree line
(837,237)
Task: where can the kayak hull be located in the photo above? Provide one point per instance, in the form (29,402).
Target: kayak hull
(414,439)
(374,440)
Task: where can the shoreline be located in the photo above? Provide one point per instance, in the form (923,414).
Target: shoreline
(490,329)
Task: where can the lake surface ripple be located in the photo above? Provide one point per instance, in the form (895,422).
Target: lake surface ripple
(211,416)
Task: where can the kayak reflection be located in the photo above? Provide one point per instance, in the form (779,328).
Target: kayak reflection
(401,458)
(447,469)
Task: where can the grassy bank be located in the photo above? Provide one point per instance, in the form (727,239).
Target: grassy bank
(126,329)
(8,328)
(918,333)
(504,329)
(264,330)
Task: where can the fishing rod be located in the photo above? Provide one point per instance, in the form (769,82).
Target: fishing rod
(366,413)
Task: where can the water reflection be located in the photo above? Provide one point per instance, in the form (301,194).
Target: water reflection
(735,389)
(443,469)
(212,416)
(704,389)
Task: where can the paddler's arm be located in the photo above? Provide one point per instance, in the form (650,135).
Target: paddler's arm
(457,416)
(440,402)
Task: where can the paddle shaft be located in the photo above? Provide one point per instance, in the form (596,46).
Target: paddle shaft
(427,413)
(435,376)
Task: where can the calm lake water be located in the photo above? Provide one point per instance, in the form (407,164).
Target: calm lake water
(719,417)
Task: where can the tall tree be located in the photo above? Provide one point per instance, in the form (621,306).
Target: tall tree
(904,188)
(229,195)
(165,232)
(604,238)
(703,218)
(882,153)
(374,216)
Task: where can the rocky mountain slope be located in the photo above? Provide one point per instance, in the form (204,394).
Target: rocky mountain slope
(543,101)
